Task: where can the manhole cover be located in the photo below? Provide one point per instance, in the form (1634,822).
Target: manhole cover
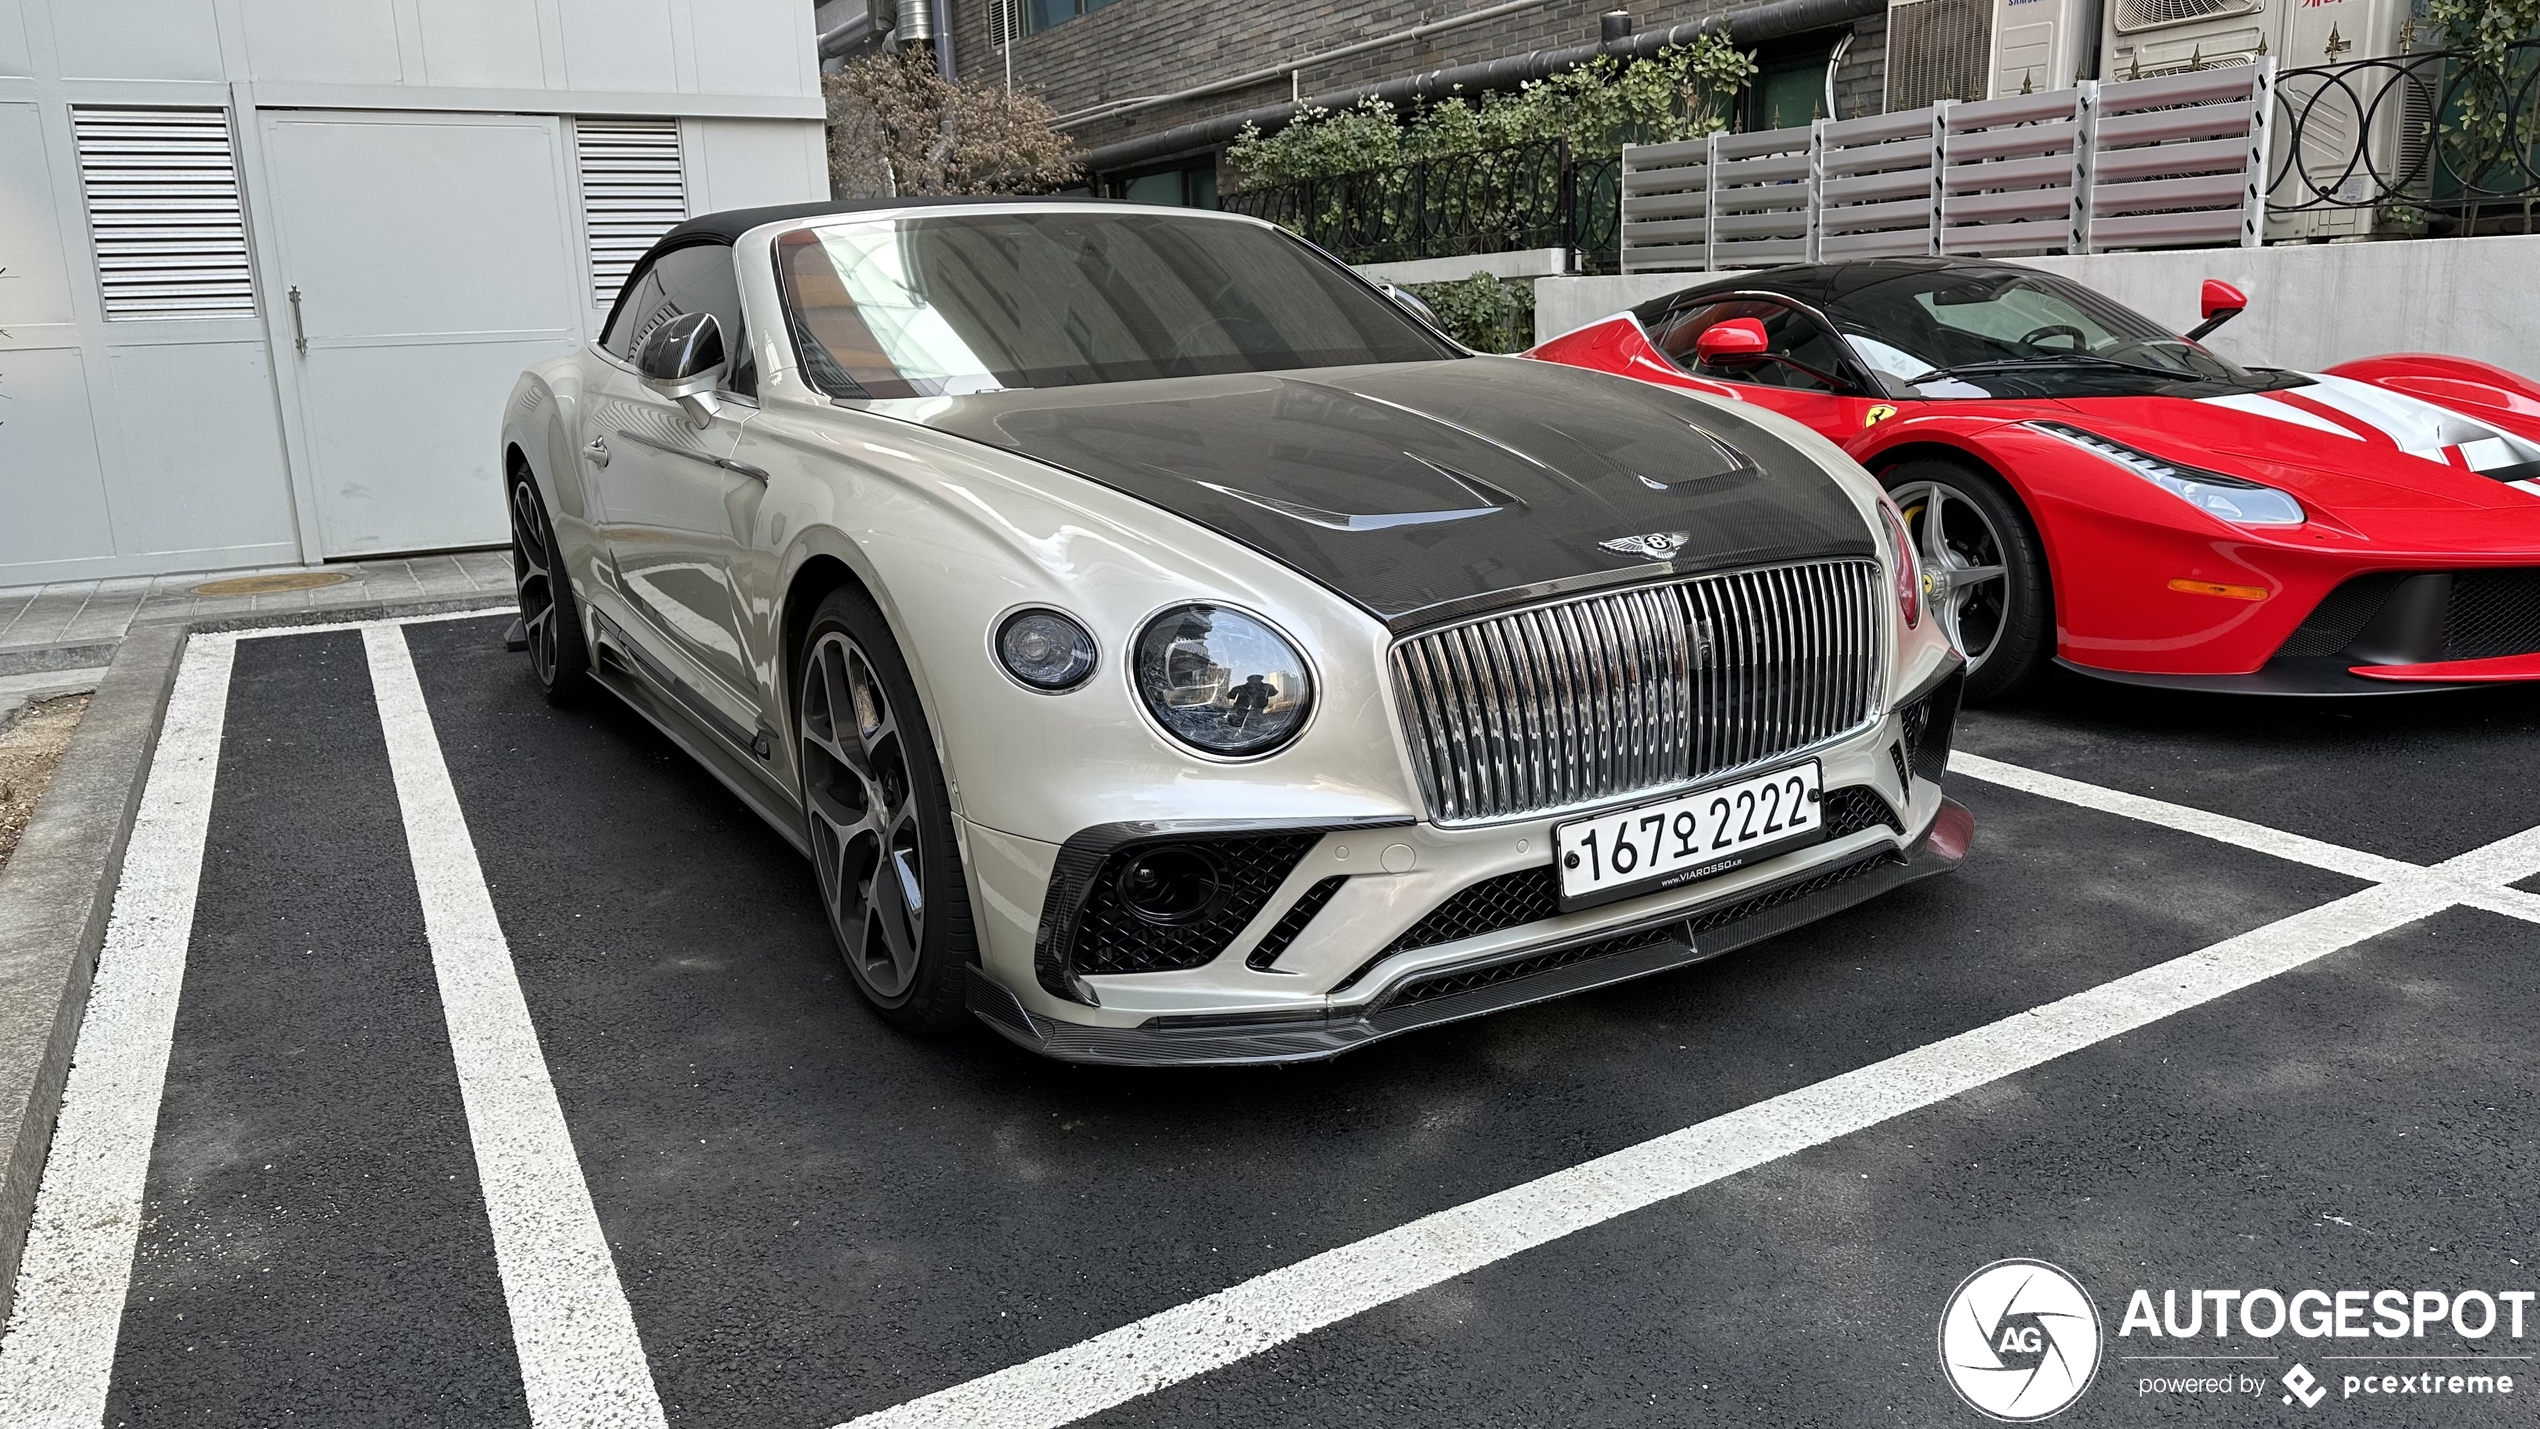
(268,585)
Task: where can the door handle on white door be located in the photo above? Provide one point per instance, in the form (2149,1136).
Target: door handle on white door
(299,334)
(597,449)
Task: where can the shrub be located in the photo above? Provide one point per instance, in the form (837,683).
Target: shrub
(897,127)
(1682,92)
(1482,312)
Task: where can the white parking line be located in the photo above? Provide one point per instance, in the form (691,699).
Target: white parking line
(60,1348)
(581,1361)
(2473,877)
(1218,1330)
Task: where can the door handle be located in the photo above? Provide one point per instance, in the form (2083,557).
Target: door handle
(299,334)
(597,449)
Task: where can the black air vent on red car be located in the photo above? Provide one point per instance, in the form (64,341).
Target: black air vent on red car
(2492,613)
(2340,617)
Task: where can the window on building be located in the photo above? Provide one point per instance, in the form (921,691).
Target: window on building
(1790,90)
(1039,15)
(1192,186)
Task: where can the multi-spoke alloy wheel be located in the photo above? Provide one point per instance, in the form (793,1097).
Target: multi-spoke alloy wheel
(556,652)
(864,832)
(879,819)
(1984,578)
(1963,573)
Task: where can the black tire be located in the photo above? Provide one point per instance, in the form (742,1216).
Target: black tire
(558,656)
(875,808)
(1966,520)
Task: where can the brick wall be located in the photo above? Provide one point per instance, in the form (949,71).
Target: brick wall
(1140,47)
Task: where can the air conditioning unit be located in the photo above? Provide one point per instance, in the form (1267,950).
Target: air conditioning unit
(2043,44)
(2343,134)
(1936,50)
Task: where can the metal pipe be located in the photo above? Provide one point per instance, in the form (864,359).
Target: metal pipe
(943,37)
(1833,62)
(1754,24)
(1293,67)
(846,37)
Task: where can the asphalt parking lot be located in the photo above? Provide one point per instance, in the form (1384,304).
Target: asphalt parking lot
(2229,994)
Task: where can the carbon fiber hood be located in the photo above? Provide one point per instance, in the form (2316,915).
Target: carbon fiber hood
(1428,491)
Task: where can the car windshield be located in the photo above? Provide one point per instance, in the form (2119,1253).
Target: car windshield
(936,305)
(1995,333)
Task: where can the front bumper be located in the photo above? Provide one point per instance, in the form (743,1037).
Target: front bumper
(1534,973)
(1336,944)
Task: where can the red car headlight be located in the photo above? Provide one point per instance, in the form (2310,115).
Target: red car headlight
(1908,568)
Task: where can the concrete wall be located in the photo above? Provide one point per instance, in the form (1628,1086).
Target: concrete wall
(132,447)
(2310,306)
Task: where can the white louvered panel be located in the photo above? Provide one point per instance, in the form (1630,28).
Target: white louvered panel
(632,193)
(163,212)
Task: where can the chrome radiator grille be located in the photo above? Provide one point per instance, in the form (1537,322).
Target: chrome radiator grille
(1627,692)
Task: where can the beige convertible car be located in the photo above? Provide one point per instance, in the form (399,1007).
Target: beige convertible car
(1169,647)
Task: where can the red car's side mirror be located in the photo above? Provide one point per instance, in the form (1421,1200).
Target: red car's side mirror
(1731,343)
(2220,302)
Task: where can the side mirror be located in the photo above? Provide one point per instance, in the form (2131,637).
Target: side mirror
(2219,303)
(1411,302)
(683,360)
(1734,343)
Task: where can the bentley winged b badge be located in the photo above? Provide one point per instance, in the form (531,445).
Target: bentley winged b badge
(1655,545)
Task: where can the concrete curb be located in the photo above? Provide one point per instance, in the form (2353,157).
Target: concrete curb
(59,889)
(55,896)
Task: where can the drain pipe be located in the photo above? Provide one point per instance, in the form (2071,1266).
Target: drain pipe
(1834,62)
(1754,24)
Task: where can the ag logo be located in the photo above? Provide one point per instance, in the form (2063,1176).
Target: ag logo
(2019,1340)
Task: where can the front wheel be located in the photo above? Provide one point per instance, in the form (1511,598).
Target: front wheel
(880,820)
(1984,571)
(548,613)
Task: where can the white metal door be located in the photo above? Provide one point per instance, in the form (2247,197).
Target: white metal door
(425,260)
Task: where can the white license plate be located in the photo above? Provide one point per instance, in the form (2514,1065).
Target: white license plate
(1676,841)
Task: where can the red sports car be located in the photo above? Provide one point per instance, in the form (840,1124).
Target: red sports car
(2086,487)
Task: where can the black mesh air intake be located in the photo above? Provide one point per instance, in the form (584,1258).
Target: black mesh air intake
(1929,723)
(1293,922)
(1530,895)
(2492,613)
(2341,615)
(1110,938)
(1447,984)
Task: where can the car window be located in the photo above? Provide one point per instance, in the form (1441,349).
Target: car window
(936,306)
(1813,362)
(695,279)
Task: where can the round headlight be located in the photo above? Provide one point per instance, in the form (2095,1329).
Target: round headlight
(1045,650)
(1221,681)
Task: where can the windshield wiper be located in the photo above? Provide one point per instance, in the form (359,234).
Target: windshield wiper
(2055,359)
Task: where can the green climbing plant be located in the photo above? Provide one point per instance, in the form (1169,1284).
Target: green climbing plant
(1682,92)
(2501,66)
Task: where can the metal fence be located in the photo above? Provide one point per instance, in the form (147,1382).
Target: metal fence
(1533,195)
(2172,161)
(2438,140)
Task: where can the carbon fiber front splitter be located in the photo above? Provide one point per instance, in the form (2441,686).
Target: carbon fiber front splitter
(1527,975)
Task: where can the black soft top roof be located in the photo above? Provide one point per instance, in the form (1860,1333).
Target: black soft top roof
(731,223)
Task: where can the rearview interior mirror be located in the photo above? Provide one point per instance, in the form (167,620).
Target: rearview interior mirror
(2219,303)
(1733,343)
(683,360)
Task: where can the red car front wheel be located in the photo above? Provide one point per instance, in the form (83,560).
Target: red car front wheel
(1984,571)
